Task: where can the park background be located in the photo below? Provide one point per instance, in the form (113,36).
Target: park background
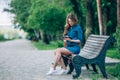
(42,22)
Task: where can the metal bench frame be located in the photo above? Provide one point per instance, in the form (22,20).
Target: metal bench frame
(93,52)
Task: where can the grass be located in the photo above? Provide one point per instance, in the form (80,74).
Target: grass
(111,52)
(113,70)
(42,46)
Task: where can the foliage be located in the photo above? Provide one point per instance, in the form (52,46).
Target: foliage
(40,11)
(42,46)
(114,70)
(66,4)
(48,17)
(1,37)
(111,52)
(20,9)
(60,43)
(111,16)
(117,38)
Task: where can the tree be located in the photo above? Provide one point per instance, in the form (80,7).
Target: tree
(38,15)
(104,16)
(47,17)
(117,33)
(118,13)
(76,9)
(89,18)
(21,10)
(99,17)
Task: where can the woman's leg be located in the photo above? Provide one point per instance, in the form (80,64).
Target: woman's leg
(58,56)
(62,63)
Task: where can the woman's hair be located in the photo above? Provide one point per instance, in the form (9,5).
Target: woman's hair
(71,16)
(66,28)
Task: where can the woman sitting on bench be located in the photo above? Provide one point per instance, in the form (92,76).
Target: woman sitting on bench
(73,37)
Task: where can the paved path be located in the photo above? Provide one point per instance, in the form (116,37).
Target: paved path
(20,61)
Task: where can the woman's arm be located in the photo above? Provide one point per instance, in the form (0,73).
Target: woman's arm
(76,41)
(79,36)
(70,40)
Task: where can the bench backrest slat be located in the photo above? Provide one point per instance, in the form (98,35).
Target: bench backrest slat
(94,46)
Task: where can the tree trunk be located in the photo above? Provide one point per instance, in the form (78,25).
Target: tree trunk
(99,17)
(118,13)
(44,37)
(105,21)
(117,34)
(37,35)
(77,11)
(89,18)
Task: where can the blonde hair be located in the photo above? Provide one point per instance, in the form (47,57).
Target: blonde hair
(71,16)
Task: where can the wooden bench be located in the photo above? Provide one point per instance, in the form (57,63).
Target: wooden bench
(93,52)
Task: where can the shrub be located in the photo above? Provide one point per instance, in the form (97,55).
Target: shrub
(2,37)
(112,52)
(60,43)
(114,70)
(117,38)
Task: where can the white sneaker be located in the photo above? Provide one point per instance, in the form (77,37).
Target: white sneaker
(63,71)
(51,71)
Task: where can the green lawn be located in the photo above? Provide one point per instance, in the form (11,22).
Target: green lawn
(111,52)
(42,46)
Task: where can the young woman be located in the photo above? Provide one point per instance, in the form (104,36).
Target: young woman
(72,37)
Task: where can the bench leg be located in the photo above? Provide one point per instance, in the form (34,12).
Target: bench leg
(77,70)
(102,69)
(87,66)
(68,63)
(71,68)
(65,60)
(94,68)
(77,65)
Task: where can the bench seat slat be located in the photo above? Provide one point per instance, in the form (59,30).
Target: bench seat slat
(92,49)
(86,53)
(96,41)
(99,36)
(93,46)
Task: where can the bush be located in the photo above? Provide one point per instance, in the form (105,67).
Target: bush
(114,70)
(112,52)
(2,38)
(60,43)
(42,46)
(117,38)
